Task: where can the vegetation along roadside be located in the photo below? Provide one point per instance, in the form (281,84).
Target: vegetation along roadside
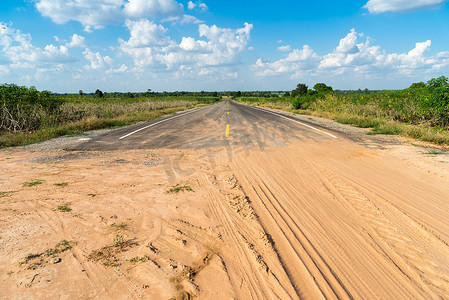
(420,111)
(29,116)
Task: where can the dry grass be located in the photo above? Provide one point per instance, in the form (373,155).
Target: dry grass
(364,116)
(108,254)
(88,123)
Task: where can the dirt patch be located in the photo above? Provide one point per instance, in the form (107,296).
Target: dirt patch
(357,217)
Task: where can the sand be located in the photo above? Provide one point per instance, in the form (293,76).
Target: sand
(317,219)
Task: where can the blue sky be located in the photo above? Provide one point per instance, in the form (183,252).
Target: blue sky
(135,45)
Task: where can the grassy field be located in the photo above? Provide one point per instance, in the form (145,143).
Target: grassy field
(421,113)
(29,116)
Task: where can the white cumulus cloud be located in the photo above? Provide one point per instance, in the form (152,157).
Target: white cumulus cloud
(150,46)
(97,61)
(297,60)
(286,48)
(355,57)
(95,14)
(184,19)
(18,49)
(77,41)
(382,6)
(192,5)
(152,8)
(145,33)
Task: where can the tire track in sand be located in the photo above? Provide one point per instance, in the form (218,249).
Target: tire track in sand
(416,246)
(251,275)
(323,241)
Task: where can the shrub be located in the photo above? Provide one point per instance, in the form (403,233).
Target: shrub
(436,106)
(303,102)
(23,108)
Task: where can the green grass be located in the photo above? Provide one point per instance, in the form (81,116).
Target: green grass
(7,193)
(138,259)
(79,127)
(29,257)
(385,112)
(120,226)
(432,153)
(32,183)
(61,184)
(119,241)
(359,121)
(178,188)
(108,254)
(64,208)
(60,247)
(37,116)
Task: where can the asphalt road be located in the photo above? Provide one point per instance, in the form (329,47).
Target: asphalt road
(223,124)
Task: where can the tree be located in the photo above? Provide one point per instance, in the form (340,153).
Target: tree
(311,92)
(322,88)
(439,82)
(81,92)
(99,93)
(301,90)
(438,102)
(418,85)
(287,94)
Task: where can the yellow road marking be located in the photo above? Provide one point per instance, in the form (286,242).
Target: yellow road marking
(227,130)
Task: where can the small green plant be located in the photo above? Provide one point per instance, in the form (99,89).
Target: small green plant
(108,254)
(32,263)
(389,129)
(119,241)
(60,247)
(29,257)
(178,188)
(359,121)
(32,183)
(61,184)
(111,262)
(6,193)
(120,226)
(64,208)
(138,259)
(432,153)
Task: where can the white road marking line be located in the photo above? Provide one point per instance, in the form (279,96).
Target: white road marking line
(161,121)
(303,124)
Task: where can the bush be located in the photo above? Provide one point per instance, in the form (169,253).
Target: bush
(436,106)
(23,108)
(417,85)
(303,102)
